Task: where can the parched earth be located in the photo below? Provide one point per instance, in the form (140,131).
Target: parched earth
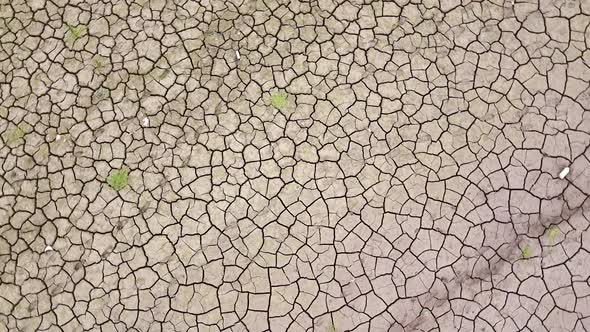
(321,165)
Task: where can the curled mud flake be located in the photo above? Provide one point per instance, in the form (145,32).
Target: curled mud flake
(164,73)
(144,208)
(145,94)
(55,289)
(32,306)
(105,254)
(78,266)
(218,109)
(98,132)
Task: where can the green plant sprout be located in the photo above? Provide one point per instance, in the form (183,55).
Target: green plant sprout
(527,252)
(12,136)
(332,328)
(279,100)
(75,32)
(118,179)
(99,63)
(553,233)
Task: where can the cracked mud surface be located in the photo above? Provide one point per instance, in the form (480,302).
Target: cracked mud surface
(294,165)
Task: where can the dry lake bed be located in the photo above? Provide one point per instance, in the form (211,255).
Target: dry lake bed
(274,165)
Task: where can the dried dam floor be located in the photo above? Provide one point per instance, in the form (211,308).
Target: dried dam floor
(275,165)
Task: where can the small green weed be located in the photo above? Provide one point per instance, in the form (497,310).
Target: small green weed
(527,252)
(74,33)
(118,179)
(99,63)
(279,100)
(12,136)
(553,233)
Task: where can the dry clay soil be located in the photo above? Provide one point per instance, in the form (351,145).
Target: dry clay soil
(319,165)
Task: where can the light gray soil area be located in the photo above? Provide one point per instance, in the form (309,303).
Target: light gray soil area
(275,165)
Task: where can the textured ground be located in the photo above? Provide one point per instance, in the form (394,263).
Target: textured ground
(279,165)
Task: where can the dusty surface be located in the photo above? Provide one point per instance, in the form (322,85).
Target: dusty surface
(294,166)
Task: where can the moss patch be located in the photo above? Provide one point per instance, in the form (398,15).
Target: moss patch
(279,100)
(118,179)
